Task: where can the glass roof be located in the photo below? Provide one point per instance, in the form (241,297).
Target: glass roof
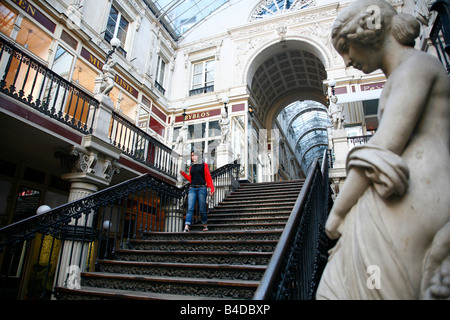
(306,122)
(179,16)
(272,7)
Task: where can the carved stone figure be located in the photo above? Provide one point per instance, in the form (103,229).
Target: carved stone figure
(335,113)
(392,217)
(225,128)
(106,78)
(181,139)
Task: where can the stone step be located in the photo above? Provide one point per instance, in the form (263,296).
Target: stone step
(239,235)
(253,204)
(208,257)
(202,245)
(185,270)
(245,225)
(92,293)
(215,288)
(248,215)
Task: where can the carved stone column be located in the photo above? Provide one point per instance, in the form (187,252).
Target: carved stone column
(89,167)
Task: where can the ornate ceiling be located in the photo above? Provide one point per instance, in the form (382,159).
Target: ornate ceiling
(286,71)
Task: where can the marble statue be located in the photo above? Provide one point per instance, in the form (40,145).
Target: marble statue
(392,215)
(335,113)
(224,128)
(106,77)
(181,139)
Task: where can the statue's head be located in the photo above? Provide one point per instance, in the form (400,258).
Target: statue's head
(368,22)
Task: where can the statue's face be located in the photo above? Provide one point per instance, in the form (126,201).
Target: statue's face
(363,57)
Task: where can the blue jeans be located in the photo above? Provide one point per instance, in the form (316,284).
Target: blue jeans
(199,194)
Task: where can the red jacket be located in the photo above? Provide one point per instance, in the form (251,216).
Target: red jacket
(208,179)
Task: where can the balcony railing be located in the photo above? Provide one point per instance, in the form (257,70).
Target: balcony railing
(32,83)
(440,33)
(142,147)
(206,89)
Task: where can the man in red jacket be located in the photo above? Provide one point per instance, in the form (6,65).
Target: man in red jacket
(200,179)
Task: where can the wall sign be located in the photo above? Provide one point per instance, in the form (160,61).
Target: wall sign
(117,79)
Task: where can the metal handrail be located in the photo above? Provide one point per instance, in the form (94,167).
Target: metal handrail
(289,275)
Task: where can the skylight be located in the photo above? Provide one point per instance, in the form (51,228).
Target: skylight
(180,16)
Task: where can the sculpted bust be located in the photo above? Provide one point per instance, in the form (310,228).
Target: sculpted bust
(392,214)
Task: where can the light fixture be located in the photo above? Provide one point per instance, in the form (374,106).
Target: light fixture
(251,111)
(332,84)
(225,101)
(185,107)
(115,43)
(43,209)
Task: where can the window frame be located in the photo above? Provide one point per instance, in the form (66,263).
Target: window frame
(120,16)
(204,86)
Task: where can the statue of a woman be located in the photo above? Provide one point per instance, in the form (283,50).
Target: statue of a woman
(392,215)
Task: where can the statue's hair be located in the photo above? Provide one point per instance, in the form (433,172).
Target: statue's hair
(367,21)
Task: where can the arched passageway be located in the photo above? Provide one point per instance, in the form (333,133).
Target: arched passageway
(285,81)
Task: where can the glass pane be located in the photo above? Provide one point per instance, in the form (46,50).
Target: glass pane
(122,35)
(143,118)
(84,75)
(196,131)
(63,62)
(27,203)
(113,14)
(33,38)
(198,68)
(214,129)
(128,106)
(123,24)
(7,18)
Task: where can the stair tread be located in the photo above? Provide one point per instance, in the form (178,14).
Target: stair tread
(187,241)
(178,280)
(133,295)
(185,265)
(196,253)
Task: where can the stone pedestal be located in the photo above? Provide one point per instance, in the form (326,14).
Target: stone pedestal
(340,147)
(338,173)
(224,154)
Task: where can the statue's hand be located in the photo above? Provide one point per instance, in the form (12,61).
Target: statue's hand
(334,225)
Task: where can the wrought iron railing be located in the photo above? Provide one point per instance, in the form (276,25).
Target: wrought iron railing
(440,33)
(357,140)
(142,147)
(206,89)
(299,258)
(32,83)
(42,251)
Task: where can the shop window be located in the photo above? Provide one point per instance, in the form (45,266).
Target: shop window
(126,105)
(143,118)
(117,26)
(214,129)
(84,75)
(62,63)
(7,19)
(27,203)
(34,39)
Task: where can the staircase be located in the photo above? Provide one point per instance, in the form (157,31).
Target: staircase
(227,262)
